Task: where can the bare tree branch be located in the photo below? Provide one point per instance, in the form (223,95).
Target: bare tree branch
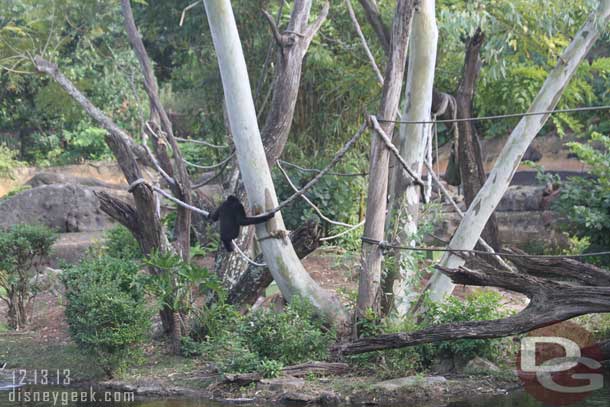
(369,54)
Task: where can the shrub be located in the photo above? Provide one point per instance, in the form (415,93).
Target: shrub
(106,311)
(297,334)
(120,243)
(8,163)
(22,249)
(479,306)
(482,305)
(263,341)
(585,203)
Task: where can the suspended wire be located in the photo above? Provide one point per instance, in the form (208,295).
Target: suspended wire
(385,245)
(317,171)
(306,199)
(500,116)
(202,142)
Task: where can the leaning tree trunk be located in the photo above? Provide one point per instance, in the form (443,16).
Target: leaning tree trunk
(370,274)
(280,257)
(293,45)
(403,213)
(470,160)
(255,280)
(488,197)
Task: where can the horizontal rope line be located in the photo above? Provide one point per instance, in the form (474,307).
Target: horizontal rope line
(499,116)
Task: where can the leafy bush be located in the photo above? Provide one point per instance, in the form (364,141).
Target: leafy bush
(479,306)
(297,334)
(106,311)
(483,305)
(7,161)
(174,285)
(120,243)
(22,249)
(242,343)
(585,203)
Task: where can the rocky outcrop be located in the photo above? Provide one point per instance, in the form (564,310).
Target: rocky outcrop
(62,207)
(50,178)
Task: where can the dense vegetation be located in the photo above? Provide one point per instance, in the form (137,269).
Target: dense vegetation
(110,300)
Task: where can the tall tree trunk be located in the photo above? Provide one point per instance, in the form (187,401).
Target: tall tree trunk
(470,159)
(293,45)
(490,194)
(404,193)
(279,255)
(142,221)
(370,274)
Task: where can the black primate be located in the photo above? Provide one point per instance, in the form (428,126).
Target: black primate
(232,215)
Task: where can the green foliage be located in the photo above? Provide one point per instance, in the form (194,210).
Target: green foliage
(106,311)
(8,163)
(262,341)
(586,202)
(296,334)
(479,306)
(339,198)
(173,284)
(271,368)
(22,247)
(120,243)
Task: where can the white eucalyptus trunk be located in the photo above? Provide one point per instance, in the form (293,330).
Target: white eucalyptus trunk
(279,255)
(413,139)
(489,195)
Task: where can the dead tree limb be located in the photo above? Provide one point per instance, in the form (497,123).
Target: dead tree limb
(176,169)
(550,302)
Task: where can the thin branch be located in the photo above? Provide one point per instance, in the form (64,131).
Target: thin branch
(274,30)
(369,54)
(315,208)
(346,147)
(187,8)
(315,26)
(316,170)
(172,198)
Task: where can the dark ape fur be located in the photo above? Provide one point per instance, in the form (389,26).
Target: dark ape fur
(232,215)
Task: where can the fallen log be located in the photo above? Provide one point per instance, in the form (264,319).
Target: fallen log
(550,302)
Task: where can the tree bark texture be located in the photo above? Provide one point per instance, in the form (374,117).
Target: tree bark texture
(403,214)
(255,280)
(470,159)
(292,48)
(370,274)
(279,255)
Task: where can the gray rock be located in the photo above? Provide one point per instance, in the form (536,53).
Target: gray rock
(50,178)
(521,198)
(283,384)
(479,364)
(62,207)
(408,381)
